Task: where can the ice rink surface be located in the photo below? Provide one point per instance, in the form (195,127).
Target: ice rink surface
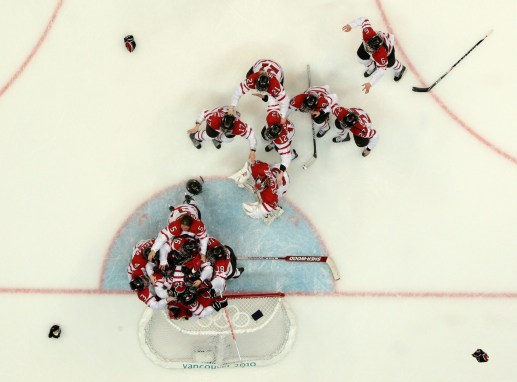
(423,230)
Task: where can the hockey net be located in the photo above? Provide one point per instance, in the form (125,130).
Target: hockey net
(263,325)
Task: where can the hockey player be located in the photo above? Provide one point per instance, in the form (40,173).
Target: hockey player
(222,127)
(137,266)
(161,284)
(267,77)
(184,219)
(357,122)
(269,183)
(202,302)
(187,262)
(146,295)
(279,135)
(317,101)
(377,52)
(224,263)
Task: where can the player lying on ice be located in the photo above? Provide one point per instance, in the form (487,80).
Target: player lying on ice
(268,183)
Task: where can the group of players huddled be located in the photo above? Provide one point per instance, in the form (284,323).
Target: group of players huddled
(189,275)
(184,269)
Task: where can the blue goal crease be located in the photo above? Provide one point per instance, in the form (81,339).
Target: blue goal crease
(221,208)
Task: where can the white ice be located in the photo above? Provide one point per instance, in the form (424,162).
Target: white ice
(423,230)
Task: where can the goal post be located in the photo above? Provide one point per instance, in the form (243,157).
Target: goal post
(262,323)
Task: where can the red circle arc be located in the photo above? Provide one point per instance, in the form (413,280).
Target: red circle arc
(437,99)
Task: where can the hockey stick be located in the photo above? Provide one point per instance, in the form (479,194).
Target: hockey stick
(315,154)
(301,259)
(423,90)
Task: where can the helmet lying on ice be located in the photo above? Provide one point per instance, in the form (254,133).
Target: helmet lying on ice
(194,186)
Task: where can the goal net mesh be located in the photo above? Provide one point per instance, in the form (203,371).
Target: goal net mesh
(262,323)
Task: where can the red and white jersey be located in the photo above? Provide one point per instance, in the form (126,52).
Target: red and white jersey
(151,300)
(324,103)
(380,56)
(174,229)
(181,210)
(284,184)
(222,267)
(272,68)
(203,306)
(275,90)
(283,141)
(363,128)
(196,264)
(161,285)
(138,262)
(214,117)
(265,175)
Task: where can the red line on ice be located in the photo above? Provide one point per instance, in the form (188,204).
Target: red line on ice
(437,99)
(34,50)
(342,294)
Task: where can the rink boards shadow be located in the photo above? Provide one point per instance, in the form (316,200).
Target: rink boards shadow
(221,208)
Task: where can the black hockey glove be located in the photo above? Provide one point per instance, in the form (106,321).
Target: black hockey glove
(218,305)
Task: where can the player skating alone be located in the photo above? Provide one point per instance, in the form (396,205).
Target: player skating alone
(224,263)
(268,183)
(357,122)
(377,52)
(279,136)
(267,77)
(222,126)
(317,101)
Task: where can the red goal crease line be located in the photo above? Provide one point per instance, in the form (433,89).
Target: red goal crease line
(343,294)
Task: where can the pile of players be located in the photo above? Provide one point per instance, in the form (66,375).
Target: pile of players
(183,269)
(266,77)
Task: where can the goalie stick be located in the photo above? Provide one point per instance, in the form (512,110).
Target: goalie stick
(424,90)
(315,154)
(301,259)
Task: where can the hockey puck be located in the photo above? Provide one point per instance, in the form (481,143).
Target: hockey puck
(304,167)
(257,315)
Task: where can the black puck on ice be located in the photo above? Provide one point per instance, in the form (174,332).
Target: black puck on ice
(55,331)
(257,315)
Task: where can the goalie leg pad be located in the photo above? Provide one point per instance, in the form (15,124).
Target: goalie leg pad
(272,215)
(254,210)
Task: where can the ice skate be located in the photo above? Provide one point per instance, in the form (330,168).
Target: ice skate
(216,143)
(340,138)
(370,70)
(322,132)
(270,147)
(195,142)
(241,270)
(399,75)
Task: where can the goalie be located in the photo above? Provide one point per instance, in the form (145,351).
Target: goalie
(268,183)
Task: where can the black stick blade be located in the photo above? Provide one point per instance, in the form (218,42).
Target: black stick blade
(420,90)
